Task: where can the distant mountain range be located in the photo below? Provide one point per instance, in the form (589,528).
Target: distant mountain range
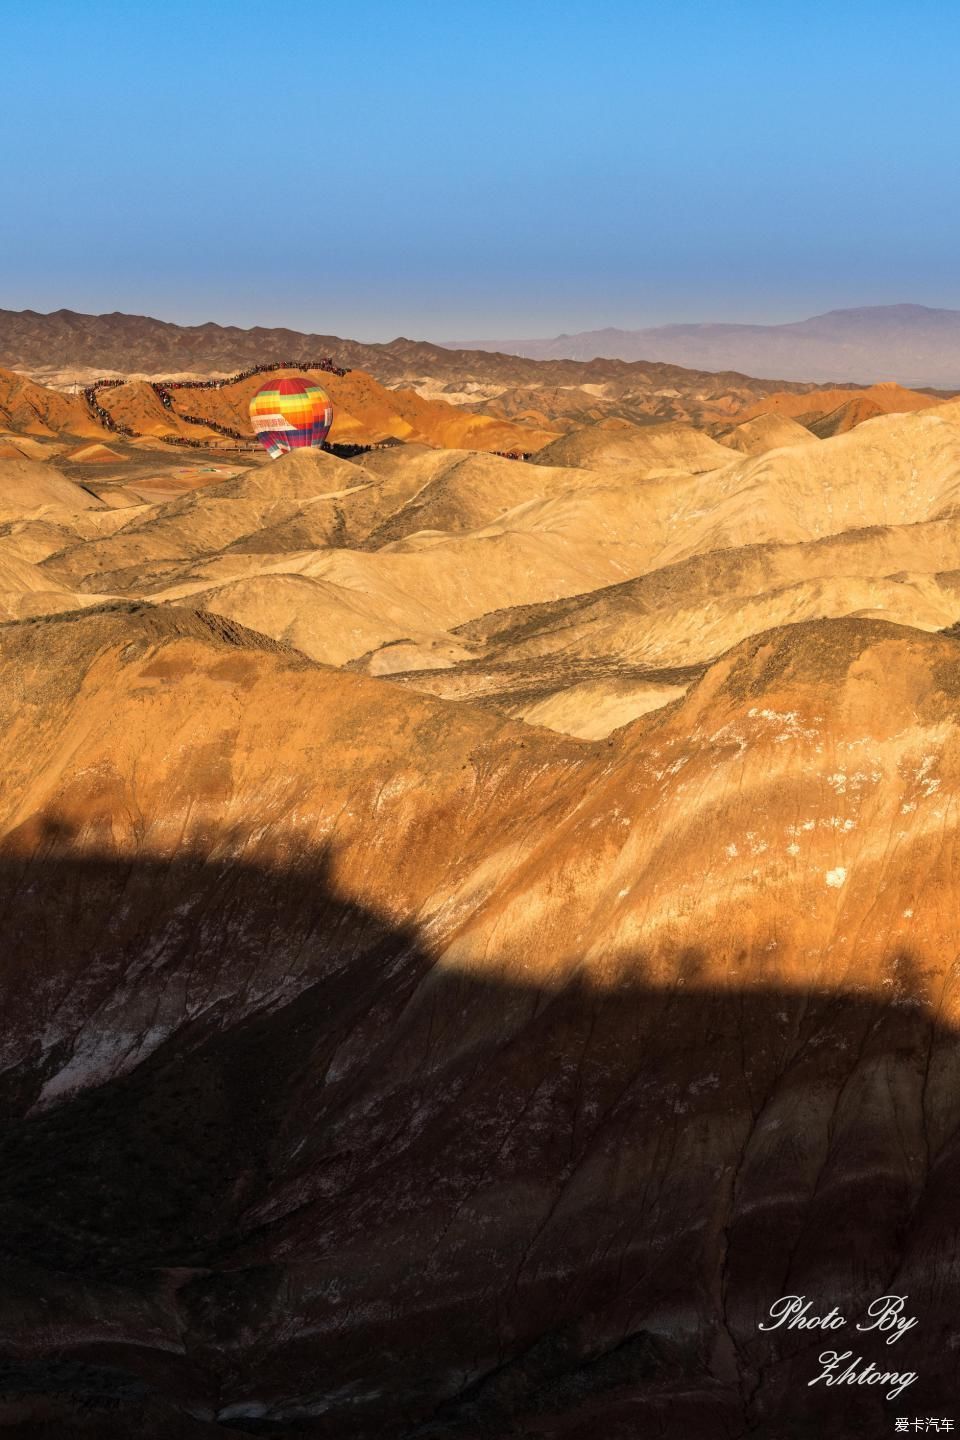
(912,344)
(908,343)
(65,345)
(66,339)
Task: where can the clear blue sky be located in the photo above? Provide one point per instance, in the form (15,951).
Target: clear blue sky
(507,168)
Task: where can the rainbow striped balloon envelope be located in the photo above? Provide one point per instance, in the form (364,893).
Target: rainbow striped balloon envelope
(290,414)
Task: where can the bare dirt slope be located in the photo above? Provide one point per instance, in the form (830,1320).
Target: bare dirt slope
(883,398)
(28,409)
(770,430)
(31,486)
(611,579)
(351,992)
(476,930)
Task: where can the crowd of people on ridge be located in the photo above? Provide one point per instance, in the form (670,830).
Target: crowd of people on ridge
(326,364)
(162,388)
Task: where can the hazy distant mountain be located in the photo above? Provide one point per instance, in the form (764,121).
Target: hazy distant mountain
(63,346)
(912,344)
(908,343)
(66,340)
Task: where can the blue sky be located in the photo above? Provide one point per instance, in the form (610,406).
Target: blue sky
(511,168)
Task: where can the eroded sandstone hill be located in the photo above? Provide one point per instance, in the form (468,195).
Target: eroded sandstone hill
(476,932)
(365,412)
(578,591)
(375,1066)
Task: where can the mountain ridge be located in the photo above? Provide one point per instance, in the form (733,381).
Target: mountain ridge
(65,349)
(34,341)
(912,344)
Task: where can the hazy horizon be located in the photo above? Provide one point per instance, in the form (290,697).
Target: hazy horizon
(512,173)
(443,340)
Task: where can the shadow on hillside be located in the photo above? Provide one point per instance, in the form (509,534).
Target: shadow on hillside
(266,1169)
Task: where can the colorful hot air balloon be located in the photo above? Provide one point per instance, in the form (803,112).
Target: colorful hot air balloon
(291,413)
